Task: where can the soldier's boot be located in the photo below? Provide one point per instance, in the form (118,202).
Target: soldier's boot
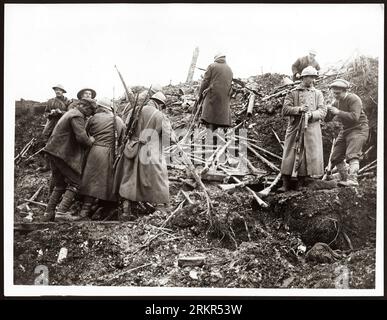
(352,177)
(67,200)
(285,184)
(55,197)
(300,183)
(86,209)
(127,212)
(343,171)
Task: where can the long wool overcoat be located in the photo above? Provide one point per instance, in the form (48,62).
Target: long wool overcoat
(312,163)
(144,176)
(69,140)
(216,105)
(97,176)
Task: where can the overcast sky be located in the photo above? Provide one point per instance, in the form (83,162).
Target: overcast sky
(78,45)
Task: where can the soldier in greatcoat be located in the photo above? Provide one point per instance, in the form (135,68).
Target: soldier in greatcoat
(307,100)
(97,177)
(141,173)
(216,89)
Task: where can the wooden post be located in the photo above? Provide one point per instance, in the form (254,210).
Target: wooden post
(251,104)
(193,65)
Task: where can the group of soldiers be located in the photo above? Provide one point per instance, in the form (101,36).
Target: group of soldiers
(90,154)
(95,153)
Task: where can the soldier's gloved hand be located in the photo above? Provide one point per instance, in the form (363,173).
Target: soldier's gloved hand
(333,109)
(298,75)
(303,109)
(309,115)
(92,139)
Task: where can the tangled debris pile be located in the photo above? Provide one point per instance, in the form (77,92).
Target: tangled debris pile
(255,247)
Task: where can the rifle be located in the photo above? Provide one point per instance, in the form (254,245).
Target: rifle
(132,124)
(115,147)
(243,85)
(198,101)
(328,170)
(128,93)
(299,144)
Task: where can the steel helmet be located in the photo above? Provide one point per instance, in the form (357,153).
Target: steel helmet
(105,103)
(160,97)
(59,86)
(93,93)
(309,71)
(340,83)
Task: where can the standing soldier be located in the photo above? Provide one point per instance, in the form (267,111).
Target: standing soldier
(302,63)
(53,111)
(85,93)
(97,176)
(142,98)
(305,102)
(141,173)
(216,90)
(348,109)
(66,149)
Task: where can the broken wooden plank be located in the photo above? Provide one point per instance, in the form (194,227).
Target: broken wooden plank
(37,152)
(263,159)
(185,194)
(195,261)
(367,166)
(251,104)
(35,202)
(213,176)
(258,199)
(230,187)
(258,147)
(199,181)
(34,196)
(265,192)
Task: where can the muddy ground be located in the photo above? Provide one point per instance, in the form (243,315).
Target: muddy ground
(242,244)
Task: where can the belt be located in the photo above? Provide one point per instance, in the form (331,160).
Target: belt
(355,127)
(100,144)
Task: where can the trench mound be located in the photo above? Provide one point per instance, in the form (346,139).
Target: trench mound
(344,218)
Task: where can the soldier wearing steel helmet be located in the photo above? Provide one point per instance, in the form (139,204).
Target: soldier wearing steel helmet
(87,93)
(141,173)
(348,109)
(305,99)
(125,107)
(303,62)
(66,149)
(54,109)
(97,176)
